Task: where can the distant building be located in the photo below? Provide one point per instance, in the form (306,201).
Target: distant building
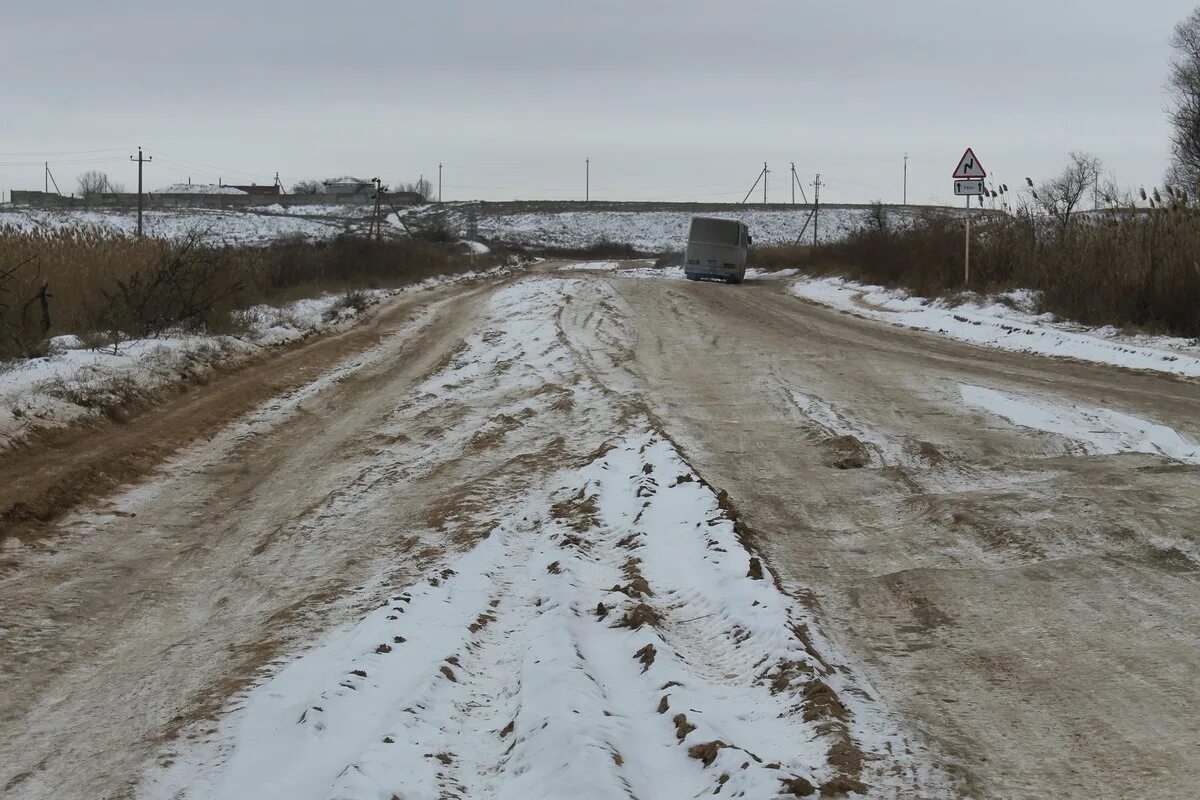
(348,185)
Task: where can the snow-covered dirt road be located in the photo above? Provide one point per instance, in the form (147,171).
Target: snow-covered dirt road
(594,535)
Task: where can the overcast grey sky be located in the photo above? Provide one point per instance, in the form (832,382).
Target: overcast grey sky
(678,100)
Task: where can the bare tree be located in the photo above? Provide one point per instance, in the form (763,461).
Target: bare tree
(1060,197)
(878,217)
(308,187)
(96,182)
(1183,83)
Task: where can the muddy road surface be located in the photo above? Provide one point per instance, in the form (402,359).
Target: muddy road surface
(619,536)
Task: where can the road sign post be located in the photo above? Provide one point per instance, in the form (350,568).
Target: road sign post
(968,181)
(967,255)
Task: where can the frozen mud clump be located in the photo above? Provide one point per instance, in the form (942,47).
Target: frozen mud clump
(848,452)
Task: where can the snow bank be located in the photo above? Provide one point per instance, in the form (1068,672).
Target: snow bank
(1009,325)
(76,381)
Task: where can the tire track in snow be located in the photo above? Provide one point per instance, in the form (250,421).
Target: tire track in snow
(611,637)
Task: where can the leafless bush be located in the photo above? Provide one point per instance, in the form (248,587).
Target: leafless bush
(355,301)
(21,332)
(185,288)
(307,187)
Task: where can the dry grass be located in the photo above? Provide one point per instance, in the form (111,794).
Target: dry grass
(1124,268)
(106,286)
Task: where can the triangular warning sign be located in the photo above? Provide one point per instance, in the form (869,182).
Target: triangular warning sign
(969,166)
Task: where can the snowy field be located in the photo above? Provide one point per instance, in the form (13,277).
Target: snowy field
(656,231)
(650,231)
(239,227)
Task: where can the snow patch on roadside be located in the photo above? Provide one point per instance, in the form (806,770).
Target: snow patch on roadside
(611,637)
(1089,429)
(1005,327)
(591,266)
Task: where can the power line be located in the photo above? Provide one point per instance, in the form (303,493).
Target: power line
(222,170)
(44,153)
(59,163)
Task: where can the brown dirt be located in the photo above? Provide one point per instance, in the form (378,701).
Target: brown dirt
(822,702)
(59,469)
(842,786)
(707,752)
(798,787)
(682,726)
(646,656)
(847,452)
(639,615)
(578,511)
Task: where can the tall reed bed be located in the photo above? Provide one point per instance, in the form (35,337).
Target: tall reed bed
(1135,268)
(94,283)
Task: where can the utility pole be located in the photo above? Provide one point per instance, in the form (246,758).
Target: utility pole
(140,159)
(439,183)
(762,176)
(378,223)
(46,178)
(816,205)
(796,183)
(587,180)
(905,202)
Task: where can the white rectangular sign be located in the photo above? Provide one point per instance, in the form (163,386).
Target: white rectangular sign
(969,188)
